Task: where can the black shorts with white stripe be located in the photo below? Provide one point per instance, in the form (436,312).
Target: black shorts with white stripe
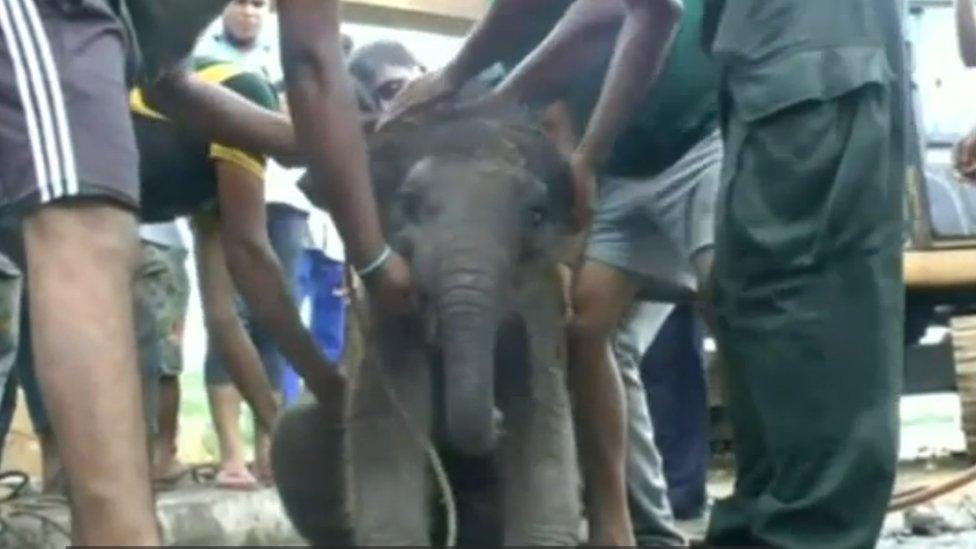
(65,129)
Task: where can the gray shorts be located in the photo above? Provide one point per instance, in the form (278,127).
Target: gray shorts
(652,228)
(65,129)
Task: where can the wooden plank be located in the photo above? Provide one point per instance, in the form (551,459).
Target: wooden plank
(943,269)
(452,17)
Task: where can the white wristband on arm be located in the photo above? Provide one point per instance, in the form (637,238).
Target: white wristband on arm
(376,264)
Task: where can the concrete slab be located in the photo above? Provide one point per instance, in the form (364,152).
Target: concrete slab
(194,516)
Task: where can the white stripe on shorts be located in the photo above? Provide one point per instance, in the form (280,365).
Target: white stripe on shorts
(26,99)
(40,87)
(50,75)
(36,86)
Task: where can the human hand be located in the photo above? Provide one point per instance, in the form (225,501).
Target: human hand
(430,89)
(329,388)
(584,190)
(390,288)
(964,157)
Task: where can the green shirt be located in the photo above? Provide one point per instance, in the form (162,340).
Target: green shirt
(680,111)
(176,168)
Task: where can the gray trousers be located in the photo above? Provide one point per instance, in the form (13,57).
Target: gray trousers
(646,487)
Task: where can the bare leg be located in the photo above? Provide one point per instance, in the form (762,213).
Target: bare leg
(225,409)
(647,488)
(601,297)
(81,260)
(52,472)
(165,462)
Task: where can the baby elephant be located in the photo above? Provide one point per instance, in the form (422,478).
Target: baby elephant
(480,208)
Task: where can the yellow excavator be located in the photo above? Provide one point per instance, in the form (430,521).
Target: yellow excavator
(940,251)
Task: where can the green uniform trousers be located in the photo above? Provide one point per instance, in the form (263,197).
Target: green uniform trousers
(808,317)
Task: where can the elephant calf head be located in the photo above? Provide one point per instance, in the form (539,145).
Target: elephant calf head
(475,206)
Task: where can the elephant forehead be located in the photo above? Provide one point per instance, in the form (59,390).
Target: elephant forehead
(464,171)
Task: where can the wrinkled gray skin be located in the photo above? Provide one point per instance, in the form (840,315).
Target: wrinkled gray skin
(480,209)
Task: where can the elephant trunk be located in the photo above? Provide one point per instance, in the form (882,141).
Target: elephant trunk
(469,313)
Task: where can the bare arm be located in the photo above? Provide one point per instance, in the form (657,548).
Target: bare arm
(218,114)
(328,127)
(258,277)
(327,122)
(502,30)
(581,41)
(506,29)
(641,49)
(224,325)
(966,27)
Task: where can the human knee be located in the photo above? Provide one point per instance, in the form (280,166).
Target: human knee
(601,296)
(591,323)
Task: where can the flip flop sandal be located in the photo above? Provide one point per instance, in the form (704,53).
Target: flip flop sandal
(242,481)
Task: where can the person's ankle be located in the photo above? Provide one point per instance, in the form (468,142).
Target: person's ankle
(236,464)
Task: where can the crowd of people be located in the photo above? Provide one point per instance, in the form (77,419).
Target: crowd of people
(742,159)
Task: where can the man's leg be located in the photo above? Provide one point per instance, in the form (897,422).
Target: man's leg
(79,257)
(601,296)
(52,473)
(68,157)
(225,410)
(646,486)
(810,319)
(149,355)
(166,464)
(11,292)
(674,376)
(162,292)
(8,407)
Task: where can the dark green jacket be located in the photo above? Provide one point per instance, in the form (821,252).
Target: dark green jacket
(776,53)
